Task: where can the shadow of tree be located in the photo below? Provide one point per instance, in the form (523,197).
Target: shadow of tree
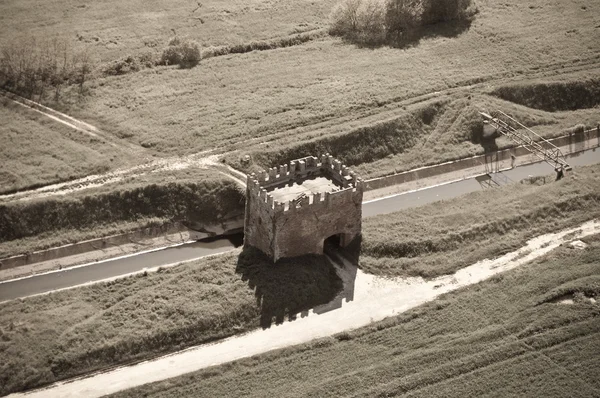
(445,29)
(288,287)
(412,38)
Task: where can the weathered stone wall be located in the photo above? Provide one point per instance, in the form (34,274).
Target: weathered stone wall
(299,227)
(302,229)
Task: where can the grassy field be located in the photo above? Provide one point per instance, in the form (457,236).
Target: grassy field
(52,337)
(504,337)
(210,299)
(325,94)
(188,196)
(323,89)
(113,29)
(420,241)
(37,151)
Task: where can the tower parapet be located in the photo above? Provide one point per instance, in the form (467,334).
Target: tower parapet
(293,208)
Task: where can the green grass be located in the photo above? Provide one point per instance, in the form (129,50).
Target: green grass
(60,335)
(419,241)
(198,196)
(37,151)
(496,338)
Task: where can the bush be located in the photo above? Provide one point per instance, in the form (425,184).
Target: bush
(130,64)
(359,20)
(377,21)
(182,52)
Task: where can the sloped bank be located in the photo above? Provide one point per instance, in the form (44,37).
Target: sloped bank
(204,201)
(575,142)
(553,96)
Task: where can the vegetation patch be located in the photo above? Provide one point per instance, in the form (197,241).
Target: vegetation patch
(208,201)
(419,241)
(587,287)
(360,145)
(37,151)
(52,337)
(553,96)
(396,22)
(181,51)
(32,66)
(262,45)
(489,339)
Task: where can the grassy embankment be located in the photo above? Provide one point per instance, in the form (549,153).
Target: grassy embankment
(207,299)
(325,94)
(60,335)
(420,241)
(507,336)
(423,134)
(37,151)
(199,196)
(325,86)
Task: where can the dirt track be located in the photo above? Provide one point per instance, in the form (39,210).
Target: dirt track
(210,158)
(373,298)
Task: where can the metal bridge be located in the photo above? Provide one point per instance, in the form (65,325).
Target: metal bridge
(529,139)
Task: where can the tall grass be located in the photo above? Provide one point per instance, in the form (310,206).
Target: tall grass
(359,145)
(496,338)
(52,337)
(138,317)
(553,96)
(37,151)
(205,201)
(419,241)
(262,45)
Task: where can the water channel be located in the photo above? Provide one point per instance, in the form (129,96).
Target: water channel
(100,270)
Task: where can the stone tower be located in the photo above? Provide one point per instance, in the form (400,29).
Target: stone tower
(291,210)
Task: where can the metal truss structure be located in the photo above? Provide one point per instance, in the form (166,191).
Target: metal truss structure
(529,139)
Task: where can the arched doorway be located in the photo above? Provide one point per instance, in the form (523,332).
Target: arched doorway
(335,240)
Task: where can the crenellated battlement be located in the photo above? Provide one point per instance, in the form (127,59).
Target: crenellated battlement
(291,209)
(349,184)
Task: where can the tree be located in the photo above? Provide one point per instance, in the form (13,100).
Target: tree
(182,52)
(403,17)
(29,66)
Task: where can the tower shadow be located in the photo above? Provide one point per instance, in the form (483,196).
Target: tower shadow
(294,286)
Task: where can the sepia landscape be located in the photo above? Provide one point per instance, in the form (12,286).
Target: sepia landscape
(300,198)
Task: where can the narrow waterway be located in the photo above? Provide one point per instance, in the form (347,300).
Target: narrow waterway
(373,299)
(101,270)
(452,190)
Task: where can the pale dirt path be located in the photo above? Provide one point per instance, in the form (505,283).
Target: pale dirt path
(52,114)
(201,160)
(375,298)
(339,124)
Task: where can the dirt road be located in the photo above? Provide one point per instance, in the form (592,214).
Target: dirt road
(373,299)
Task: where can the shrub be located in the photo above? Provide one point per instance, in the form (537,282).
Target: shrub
(359,20)
(182,52)
(577,129)
(130,64)
(376,21)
